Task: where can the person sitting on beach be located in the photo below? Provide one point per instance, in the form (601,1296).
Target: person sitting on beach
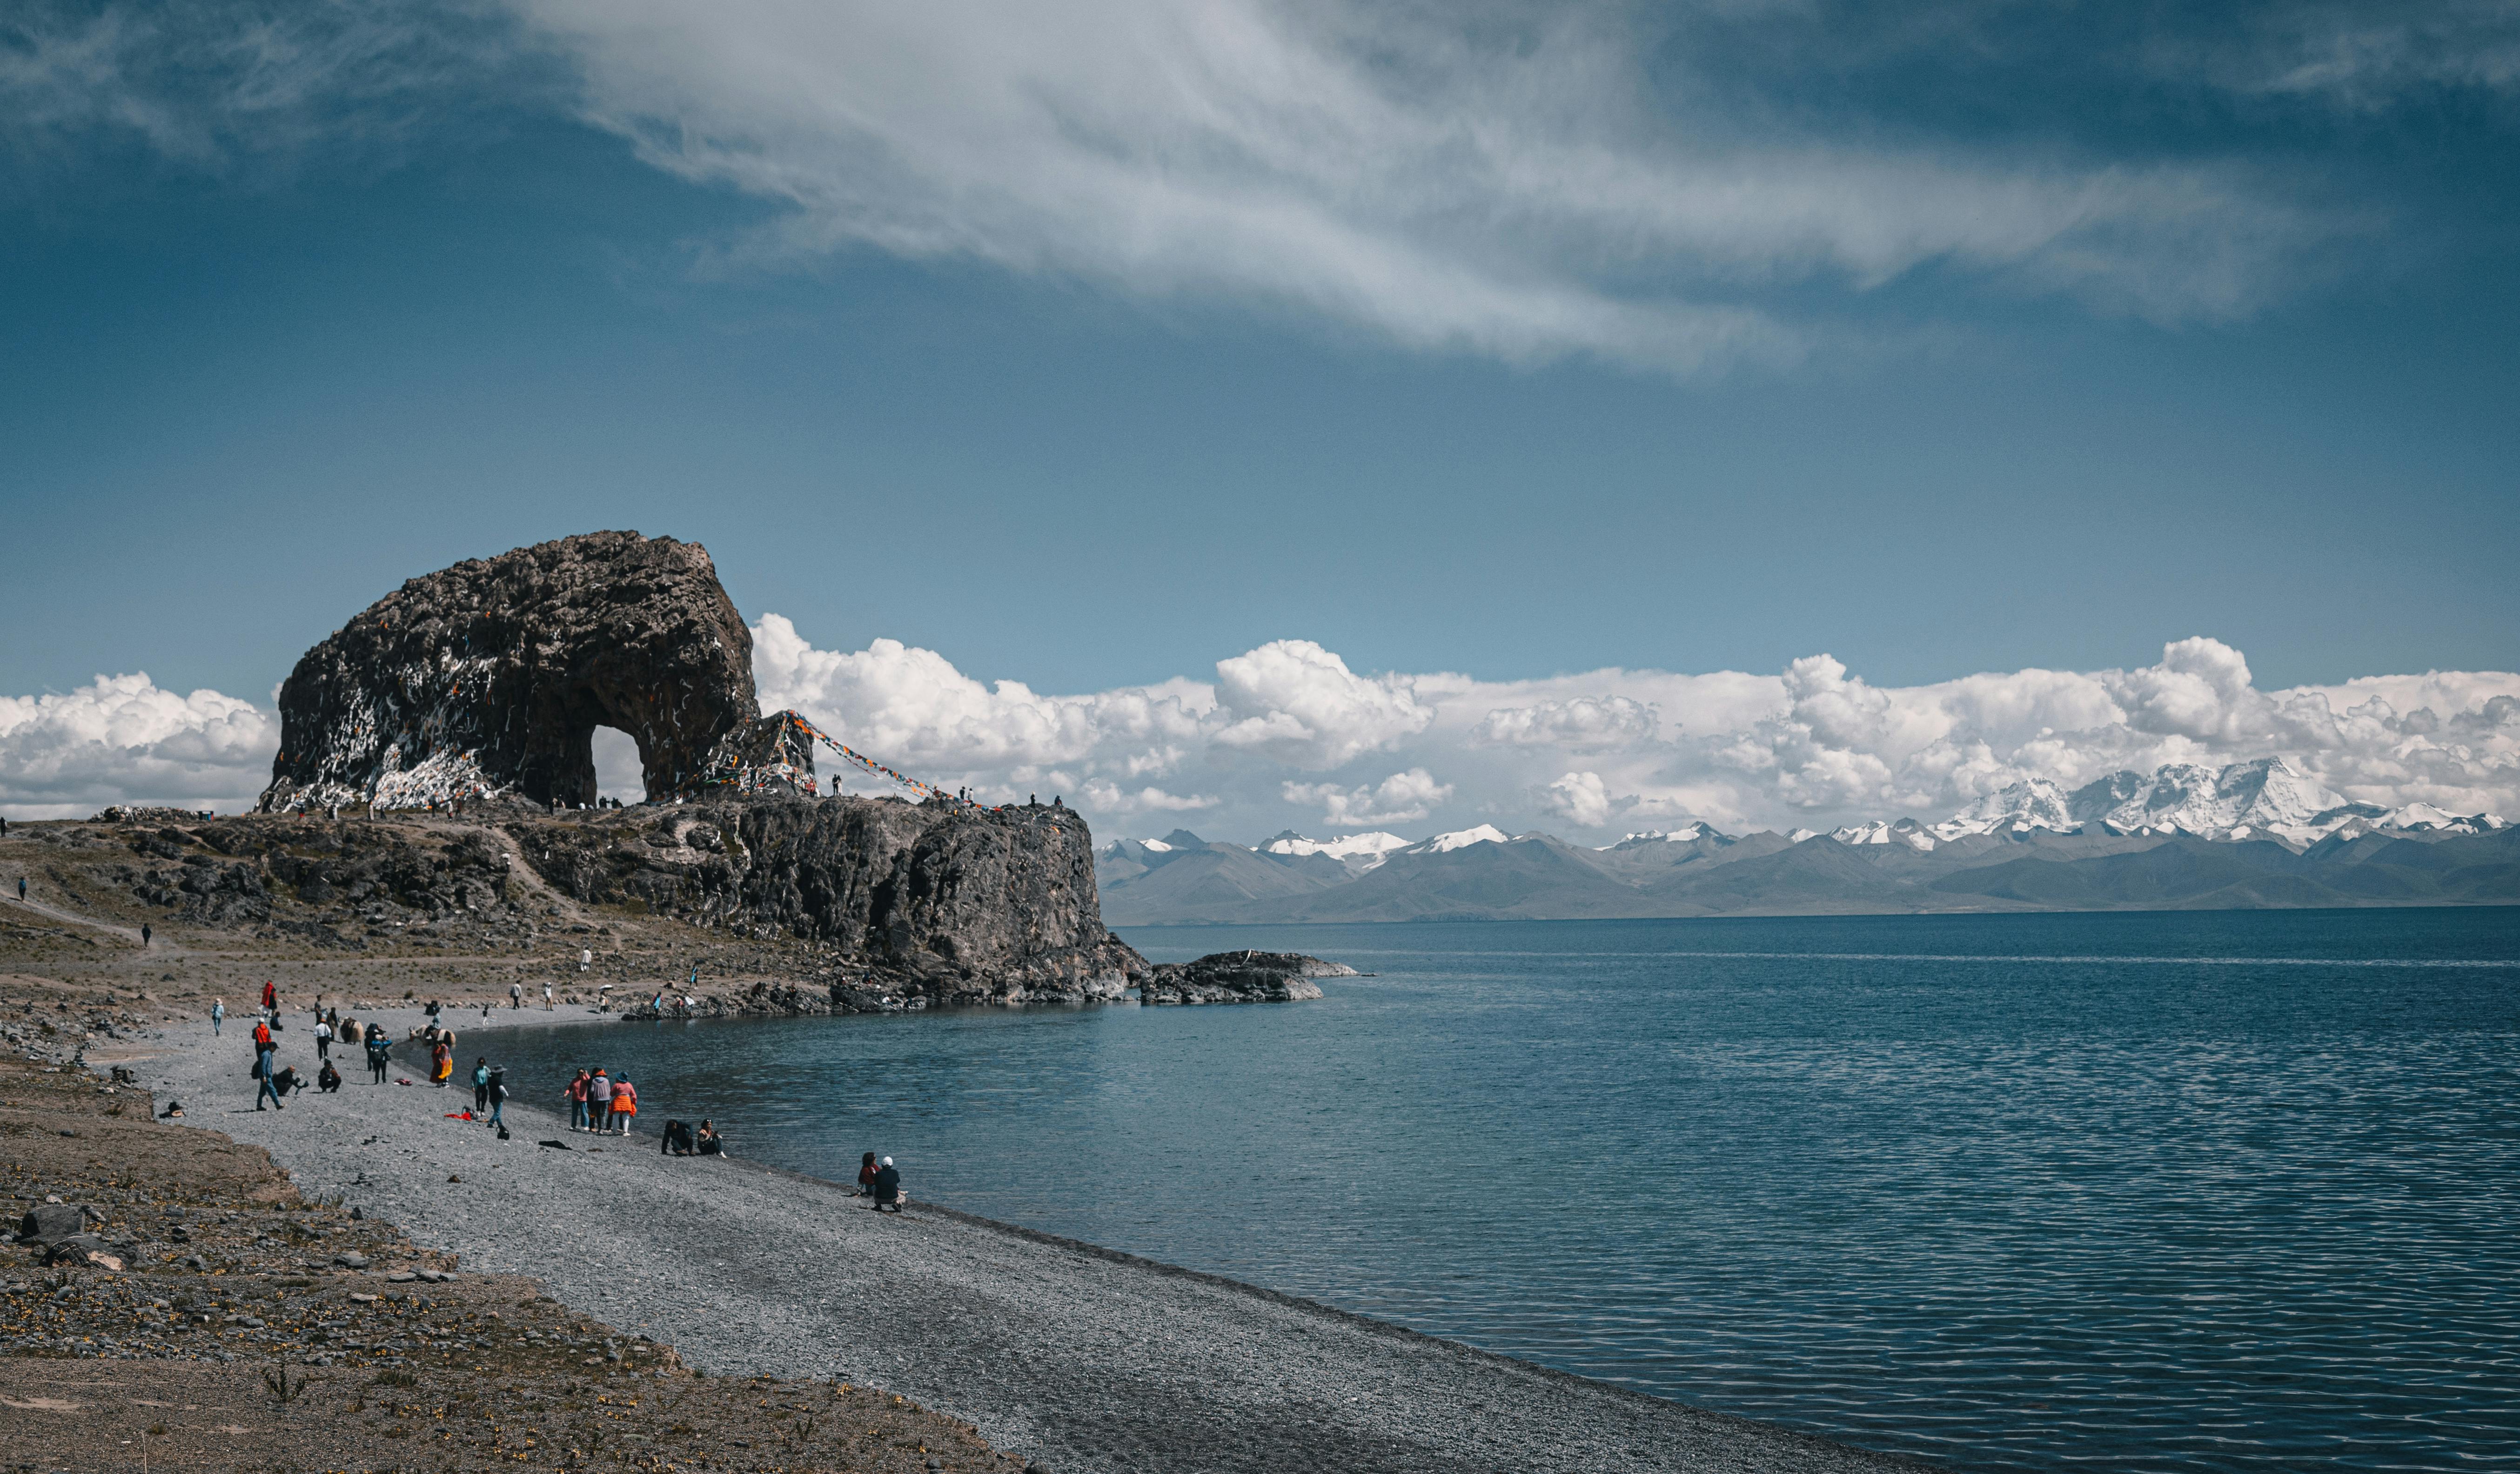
(676,1140)
(865,1176)
(328,1080)
(711,1145)
(887,1187)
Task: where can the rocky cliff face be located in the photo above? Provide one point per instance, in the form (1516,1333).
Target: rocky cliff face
(932,902)
(491,676)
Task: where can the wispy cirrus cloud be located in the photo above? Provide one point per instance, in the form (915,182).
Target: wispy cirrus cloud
(1518,183)
(1513,184)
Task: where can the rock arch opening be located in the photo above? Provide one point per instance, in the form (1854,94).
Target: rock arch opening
(620,769)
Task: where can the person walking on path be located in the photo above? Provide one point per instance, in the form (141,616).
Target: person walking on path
(480,1085)
(262,1081)
(515,996)
(577,1094)
(599,1101)
(262,1043)
(144,936)
(498,1098)
(21,890)
(625,1104)
(380,1055)
(547,998)
(323,1039)
(218,1015)
(887,1187)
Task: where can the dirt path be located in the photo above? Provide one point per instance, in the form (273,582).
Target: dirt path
(126,933)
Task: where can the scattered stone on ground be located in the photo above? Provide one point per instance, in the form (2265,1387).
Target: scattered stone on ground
(235,1325)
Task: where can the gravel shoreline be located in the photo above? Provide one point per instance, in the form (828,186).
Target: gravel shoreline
(1077,1357)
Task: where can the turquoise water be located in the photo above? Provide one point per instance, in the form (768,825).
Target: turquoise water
(2179,1191)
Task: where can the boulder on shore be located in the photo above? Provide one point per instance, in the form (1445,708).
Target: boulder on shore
(48,1223)
(1246,977)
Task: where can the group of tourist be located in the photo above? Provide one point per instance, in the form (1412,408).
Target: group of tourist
(601,1102)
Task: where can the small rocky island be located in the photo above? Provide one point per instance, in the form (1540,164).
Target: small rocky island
(1239,977)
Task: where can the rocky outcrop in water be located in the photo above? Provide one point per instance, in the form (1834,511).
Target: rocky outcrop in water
(1239,978)
(491,676)
(931,902)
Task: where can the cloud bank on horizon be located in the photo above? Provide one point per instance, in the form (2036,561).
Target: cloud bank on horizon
(1673,188)
(1288,736)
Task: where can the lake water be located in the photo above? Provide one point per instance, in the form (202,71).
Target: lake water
(2169,1191)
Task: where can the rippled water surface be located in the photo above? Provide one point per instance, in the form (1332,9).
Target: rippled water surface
(2236,1190)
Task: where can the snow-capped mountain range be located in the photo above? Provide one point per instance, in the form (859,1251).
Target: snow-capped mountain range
(2266,797)
(2249,836)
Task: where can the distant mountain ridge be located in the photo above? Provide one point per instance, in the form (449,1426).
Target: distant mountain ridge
(2251,834)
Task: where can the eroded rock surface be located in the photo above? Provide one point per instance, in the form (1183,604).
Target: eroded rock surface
(930,902)
(491,676)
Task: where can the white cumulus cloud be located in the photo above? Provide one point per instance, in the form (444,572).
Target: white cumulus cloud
(1289,735)
(121,738)
(1401,799)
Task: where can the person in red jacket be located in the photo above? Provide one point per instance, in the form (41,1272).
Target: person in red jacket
(271,998)
(625,1103)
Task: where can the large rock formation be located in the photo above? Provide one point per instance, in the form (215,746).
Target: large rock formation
(488,680)
(936,901)
(491,676)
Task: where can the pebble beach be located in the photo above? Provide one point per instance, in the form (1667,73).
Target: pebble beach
(1071,1356)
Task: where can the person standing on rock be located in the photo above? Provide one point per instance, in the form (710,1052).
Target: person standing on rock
(218,1015)
(599,1101)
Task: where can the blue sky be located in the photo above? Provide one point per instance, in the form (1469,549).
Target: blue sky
(1091,348)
